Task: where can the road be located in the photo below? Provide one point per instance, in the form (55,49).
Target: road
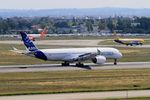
(58,67)
(82,96)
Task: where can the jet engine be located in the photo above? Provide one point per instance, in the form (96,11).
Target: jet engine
(99,60)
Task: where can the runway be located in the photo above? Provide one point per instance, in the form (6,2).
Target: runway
(58,67)
(82,96)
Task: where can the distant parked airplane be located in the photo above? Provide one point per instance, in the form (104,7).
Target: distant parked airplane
(41,35)
(70,55)
(127,41)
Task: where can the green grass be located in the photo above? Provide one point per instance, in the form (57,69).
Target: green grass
(147,41)
(132,54)
(74,81)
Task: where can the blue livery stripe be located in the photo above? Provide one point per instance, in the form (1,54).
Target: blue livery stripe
(40,55)
(27,42)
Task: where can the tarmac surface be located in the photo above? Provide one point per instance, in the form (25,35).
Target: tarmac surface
(64,43)
(58,42)
(58,67)
(82,96)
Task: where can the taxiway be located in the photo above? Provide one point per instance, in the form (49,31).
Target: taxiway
(58,67)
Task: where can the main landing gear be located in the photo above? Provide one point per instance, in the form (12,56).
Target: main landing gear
(65,64)
(68,64)
(79,64)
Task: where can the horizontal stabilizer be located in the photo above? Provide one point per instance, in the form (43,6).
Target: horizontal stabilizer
(17,51)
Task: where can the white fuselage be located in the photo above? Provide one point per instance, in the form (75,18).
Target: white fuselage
(96,55)
(67,54)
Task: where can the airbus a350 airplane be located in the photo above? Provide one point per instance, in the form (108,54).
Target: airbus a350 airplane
(70,55)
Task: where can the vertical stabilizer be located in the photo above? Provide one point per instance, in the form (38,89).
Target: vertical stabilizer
(27,42)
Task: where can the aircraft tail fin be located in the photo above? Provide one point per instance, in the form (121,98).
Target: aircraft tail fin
(42,34)
(27,42)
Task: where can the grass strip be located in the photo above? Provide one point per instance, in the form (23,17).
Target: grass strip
(74,81)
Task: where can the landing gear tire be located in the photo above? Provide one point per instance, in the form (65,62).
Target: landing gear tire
(65,64)
(115,61)
(79,65)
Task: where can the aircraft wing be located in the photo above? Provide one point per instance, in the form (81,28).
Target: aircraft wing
(81,57)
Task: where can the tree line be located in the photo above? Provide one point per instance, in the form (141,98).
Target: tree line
(76,25)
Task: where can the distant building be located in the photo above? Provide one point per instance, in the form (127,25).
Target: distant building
(105,32)
(135,24)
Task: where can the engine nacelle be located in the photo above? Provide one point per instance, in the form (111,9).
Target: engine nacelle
(99,60)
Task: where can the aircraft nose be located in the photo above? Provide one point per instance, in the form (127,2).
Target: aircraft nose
(119,55)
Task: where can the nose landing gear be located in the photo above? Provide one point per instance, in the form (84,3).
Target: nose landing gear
(115,61)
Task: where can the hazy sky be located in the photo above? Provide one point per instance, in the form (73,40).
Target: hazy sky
(52,4)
